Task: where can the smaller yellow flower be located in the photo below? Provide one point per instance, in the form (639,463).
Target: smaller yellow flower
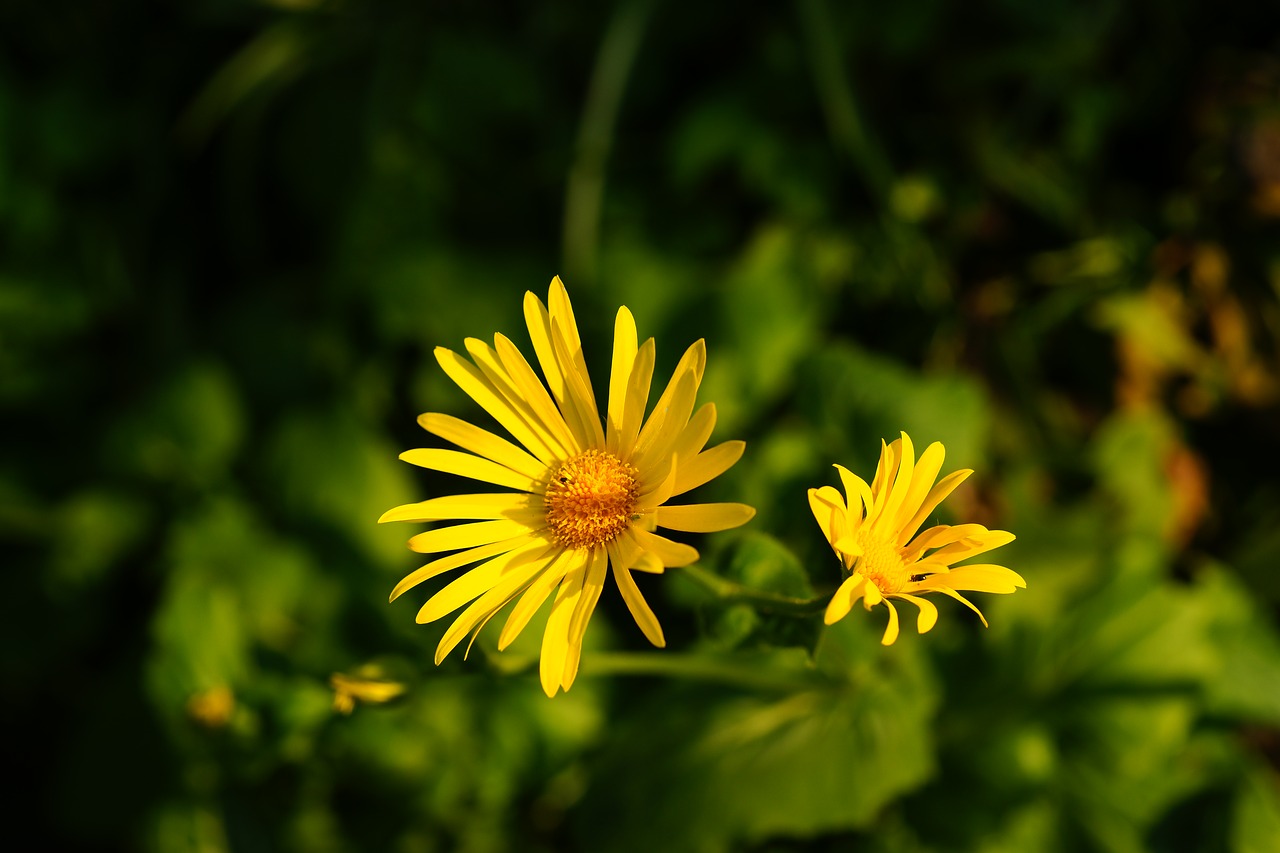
(366,688)
(871,529)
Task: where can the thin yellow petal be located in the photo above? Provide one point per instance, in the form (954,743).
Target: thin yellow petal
(546,423)
(534,393)
(859,496)
(672,554)
(977,578)
(639,608)
(592,586)
(460,536)
(482,442)
(667,421)
(708,465)
(479,580)
(928,612)
(987,540)
(939,536)
(483,608)
(846,596)
(478,387)
(704,518)
(891,630)
(966,602)
(926,472)
(451,507)
(936,496)
(885,469)
(538,321)
(578,384)
(696,433)
(906,456)
(536,594)
(453,561)
(658,484)
(625,347)
(555,639)
(467,465)
(637,399)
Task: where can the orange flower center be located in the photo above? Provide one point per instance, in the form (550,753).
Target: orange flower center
(590,499)
(881,564)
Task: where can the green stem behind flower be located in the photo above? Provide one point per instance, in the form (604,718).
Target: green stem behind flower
(732,592)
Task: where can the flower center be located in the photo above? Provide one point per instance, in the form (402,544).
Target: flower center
(881,564)
(590,499)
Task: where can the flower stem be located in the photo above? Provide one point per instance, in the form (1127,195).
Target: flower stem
(732,592)
(701,667)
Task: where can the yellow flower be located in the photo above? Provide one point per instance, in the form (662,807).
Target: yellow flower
(366,686)
(871,530)
(587,495)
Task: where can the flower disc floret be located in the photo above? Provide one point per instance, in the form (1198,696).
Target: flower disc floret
(590,499)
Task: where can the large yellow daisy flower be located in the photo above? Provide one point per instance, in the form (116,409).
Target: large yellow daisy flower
(586,495)
(871,529)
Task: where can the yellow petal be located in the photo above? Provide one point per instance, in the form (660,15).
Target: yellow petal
(846,596)
(451,507)
(639,608)
(978,578)
(891,630)
(966,602)
(625,347)
(539,323)
(459,536)
(936,496)
(547,425)
(937,537)
(592,586)
(636,400)
(483,608)
(857,489)
(658,483)
(901,483)
(704,518)
(478,387)
(708,465)
(672,554)
(928,612)
(467,465)
(828,510)
(667,421)
(555,639)
(480,580)
(482,442)
(536,594)
(885,468)
(696,432)
(534,393)
(926,471)
(577,383)
(453,561)
(970,546)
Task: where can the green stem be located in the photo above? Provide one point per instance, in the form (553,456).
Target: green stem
(731,592)
(584,195)
(696,668)
(838,101)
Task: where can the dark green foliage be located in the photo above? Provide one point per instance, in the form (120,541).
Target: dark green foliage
(231,234)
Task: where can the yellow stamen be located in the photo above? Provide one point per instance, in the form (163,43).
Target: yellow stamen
(881,563)
(590,499)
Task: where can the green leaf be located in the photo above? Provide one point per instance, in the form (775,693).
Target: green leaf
(715,771)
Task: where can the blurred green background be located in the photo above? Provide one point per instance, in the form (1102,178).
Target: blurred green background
(1045,234)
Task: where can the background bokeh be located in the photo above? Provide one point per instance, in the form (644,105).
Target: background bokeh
(1046,234)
